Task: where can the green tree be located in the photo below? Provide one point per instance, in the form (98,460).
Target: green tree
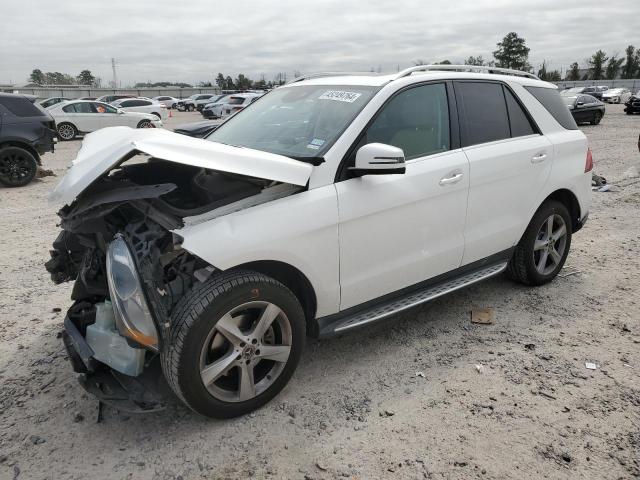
(420,62)
(512,52)
(478,61)
(242,82)
(444,62)
(632,62)
(85,78)
(220,81)
(613,67)
(596,65)
(573,73)
(37,76)
(229,83)
(542,73)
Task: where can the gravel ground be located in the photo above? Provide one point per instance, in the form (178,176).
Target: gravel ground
(357,406)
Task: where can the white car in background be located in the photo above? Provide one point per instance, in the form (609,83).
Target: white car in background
(169,102)
(238,102)
(616,95)
(142,106)
(84,116)
(214,109)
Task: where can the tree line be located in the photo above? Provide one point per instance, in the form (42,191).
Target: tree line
(512,52)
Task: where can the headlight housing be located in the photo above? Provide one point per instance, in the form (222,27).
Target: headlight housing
(133,316)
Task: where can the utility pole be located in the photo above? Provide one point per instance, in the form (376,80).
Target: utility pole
(113,68)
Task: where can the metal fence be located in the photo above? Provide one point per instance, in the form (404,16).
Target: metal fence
(632,84)
(78,92)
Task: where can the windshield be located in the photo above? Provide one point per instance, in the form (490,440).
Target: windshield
(300,122)
(574,90)
(569,100)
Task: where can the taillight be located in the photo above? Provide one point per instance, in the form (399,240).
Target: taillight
(588,166)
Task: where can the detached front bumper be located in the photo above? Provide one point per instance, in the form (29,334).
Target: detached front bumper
(145,393)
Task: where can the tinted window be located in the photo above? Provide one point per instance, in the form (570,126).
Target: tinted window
(82,107)
(588,99)
(415,120)
(483,112)
(518,119)
(550,99)
(104,108)
(20,106)
(236,101)
(127,103)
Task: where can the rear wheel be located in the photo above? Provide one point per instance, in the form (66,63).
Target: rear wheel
(66,131)
(544,247)
(17,166)
(191,108)
(145,124)
(235,342)
(596,118)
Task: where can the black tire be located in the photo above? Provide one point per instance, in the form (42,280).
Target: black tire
(17,166)
(145,124)
(194,319)
(66,131)
(191,108)
(522,267)
(596,118)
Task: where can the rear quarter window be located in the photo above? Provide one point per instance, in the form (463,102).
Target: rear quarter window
(550,99)
(21,106)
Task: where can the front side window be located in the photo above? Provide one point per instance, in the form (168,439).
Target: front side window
(81,107)
(415,120)
(483,112)
(104,108)
(300,121)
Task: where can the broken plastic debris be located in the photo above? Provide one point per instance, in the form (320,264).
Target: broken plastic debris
(420,374)
(482,316)
(591,365)
(479,367)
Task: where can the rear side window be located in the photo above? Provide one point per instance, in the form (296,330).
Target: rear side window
(550,99)
(236,101)
(484,116)
(20,106)
(520,123)
(83,107)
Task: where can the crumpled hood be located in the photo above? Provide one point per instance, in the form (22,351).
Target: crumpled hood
(106,148)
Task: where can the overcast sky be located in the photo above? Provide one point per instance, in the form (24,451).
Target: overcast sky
(192,41)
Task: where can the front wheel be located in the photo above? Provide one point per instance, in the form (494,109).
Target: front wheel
(145,124)
(234,344)
(544,247)
(66,131)
(191,108)
(17,167)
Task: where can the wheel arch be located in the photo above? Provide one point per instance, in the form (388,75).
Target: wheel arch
(569,200)
(294,280)
(25,146)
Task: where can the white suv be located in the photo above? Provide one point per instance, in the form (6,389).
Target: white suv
(330,203)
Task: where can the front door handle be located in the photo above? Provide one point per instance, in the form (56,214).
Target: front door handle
(540,157)
(455,178)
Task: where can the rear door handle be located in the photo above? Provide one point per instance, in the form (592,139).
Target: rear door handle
(455,178)
(540,157)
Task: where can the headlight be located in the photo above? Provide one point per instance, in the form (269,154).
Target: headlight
(133,317)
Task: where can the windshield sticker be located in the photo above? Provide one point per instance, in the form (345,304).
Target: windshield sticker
(315,144)
(340,96)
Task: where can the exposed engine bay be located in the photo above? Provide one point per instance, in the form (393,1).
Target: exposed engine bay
(144,201)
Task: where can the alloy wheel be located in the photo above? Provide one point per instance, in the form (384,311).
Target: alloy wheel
(66,132)
(246,351)
(549,246)
(15,167)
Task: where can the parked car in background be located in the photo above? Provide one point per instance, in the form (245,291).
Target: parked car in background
(616,95)
(143,106)
(238,102)
(332,203)
(632,105)
(584,108)
(86,98)
(53,101)
(169,102)
(189,104)
(82,116)
(594,91)
(214,109)
(27,131)
(198,129)
(202,102)
(111,98)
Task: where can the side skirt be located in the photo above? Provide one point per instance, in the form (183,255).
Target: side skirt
(409,297)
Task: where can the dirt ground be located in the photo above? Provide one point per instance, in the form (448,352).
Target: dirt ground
(402,400)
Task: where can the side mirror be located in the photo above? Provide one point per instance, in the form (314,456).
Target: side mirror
(120,111)
(379,159)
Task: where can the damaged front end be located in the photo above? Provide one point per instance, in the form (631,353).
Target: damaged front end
(130,270)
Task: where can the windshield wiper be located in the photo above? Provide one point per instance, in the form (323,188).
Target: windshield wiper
(315,161)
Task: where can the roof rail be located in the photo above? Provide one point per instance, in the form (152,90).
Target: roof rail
(329,74)
(464,68)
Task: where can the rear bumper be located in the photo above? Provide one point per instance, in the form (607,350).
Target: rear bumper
(146,393)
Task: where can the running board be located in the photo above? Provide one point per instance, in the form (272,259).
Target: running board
(398,304)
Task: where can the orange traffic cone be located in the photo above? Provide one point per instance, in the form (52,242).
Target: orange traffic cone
(170,113)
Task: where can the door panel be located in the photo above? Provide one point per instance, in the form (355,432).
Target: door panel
(398,230)
(506,180)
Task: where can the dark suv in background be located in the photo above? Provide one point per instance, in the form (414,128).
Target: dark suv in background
(27,131)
